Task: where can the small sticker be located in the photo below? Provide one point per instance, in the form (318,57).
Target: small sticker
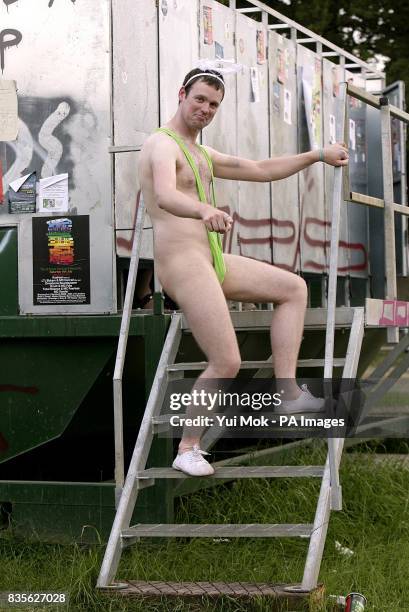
(287,106)
(218,50)
(207,25)
(280,66)
(352,135)
(255,88)
(335,81)
(276,97)
(261,47)
(332,132)
(227,30)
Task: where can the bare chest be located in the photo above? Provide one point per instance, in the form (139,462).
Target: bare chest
(184,174)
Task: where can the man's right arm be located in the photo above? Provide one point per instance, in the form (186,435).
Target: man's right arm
(169,198)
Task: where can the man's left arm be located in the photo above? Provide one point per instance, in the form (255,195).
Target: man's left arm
(275,168)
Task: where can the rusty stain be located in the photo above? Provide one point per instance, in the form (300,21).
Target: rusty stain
(18,389)
(4,445)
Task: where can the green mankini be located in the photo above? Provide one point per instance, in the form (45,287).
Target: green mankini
(214,237)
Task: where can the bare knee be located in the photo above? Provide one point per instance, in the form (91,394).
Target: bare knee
(297,291)
(227,367)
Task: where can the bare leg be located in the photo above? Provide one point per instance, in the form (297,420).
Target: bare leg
(198,292)
(254,281)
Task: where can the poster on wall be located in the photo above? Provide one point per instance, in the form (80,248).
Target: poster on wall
(61,260)
(207,25)
(261,47)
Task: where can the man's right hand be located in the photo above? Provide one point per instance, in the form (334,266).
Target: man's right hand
(215,220)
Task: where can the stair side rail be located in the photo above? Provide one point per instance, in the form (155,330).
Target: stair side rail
(336,492)
(121,351)
(140,454)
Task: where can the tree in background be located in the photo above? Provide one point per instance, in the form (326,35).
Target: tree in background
(366,28)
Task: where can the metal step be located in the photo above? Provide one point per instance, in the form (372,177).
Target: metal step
(315,318)
(253,365)
(281,594)
(185,530)
(242,471)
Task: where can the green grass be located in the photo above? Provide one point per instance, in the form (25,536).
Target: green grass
(374,524)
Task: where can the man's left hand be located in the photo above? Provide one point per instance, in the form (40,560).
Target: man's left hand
(336,154)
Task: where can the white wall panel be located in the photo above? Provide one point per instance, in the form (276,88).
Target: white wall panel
(221,134)
(311,180)
(284,141)
(254,222)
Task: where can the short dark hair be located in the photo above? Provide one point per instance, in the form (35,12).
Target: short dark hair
(207,78)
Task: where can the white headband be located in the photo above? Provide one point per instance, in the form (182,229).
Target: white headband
(206,74)
(224,66)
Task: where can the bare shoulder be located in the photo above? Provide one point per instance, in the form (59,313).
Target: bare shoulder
(160,144)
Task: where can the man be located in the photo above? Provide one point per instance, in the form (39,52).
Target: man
(187,252)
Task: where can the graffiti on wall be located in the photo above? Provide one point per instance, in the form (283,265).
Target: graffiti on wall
(6,42)
(11,37)
(50,2)
(43,140)
(290,235)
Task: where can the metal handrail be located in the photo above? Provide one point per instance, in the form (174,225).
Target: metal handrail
(121,351)
(371,100)
(336,498)
(387,202)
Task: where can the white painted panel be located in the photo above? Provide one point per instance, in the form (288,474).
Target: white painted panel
(254,222)
(178,50)
(63,80)
(284,141)
(358,227)
(332,77)
(311,180)
(135,106)
(221,134)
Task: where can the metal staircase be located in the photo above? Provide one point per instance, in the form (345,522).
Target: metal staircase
(124,535)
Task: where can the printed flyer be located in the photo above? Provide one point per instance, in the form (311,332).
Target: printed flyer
(61,268)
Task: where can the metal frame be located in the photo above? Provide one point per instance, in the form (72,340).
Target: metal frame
(121,351)
(140,455)
(336,495)
(287,23)
(317,540)
(387,202)
(330,495)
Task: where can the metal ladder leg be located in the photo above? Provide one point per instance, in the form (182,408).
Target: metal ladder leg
(130,491)
(336,492)
(121,351)
(318,536)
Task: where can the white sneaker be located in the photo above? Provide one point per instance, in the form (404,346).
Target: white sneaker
(306,402)
(191,462)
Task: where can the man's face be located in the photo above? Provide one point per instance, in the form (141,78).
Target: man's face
(200,105)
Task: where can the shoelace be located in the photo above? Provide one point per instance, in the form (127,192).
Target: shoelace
(306,389)
(197,453)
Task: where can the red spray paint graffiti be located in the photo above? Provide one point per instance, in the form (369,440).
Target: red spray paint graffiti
(241,223)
